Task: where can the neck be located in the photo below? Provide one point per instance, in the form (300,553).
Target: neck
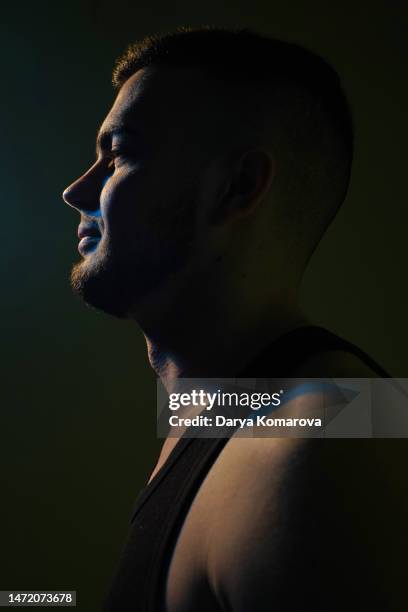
(217,341)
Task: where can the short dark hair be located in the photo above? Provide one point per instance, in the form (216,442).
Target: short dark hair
(243,56)
(293,86)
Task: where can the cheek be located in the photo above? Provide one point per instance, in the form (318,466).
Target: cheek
(141,212)
(123,199)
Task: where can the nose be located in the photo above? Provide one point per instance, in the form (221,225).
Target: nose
(83,194)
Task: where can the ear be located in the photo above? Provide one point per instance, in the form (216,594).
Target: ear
(250,179)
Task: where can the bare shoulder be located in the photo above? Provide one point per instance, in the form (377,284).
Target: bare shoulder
(295,523)
(289,524)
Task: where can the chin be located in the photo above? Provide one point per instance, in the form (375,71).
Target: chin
(120,283)
(113,287)
(101,288)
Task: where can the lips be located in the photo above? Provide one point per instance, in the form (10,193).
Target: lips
(89,236)
(85,230)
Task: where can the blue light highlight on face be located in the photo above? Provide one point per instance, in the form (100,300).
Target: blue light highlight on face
(95,214)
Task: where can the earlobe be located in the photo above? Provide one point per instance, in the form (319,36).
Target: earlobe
(249,183)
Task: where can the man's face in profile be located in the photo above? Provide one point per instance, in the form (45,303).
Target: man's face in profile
(139,201)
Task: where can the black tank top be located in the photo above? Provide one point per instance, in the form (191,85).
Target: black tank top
(163,504)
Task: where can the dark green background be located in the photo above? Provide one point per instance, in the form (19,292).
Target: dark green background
(78,400)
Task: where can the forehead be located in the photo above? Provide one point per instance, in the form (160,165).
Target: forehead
(176,103)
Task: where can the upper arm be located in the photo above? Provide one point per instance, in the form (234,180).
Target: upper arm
(255,530)
(298,530)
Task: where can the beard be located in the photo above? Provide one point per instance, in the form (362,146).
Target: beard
(126,268)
